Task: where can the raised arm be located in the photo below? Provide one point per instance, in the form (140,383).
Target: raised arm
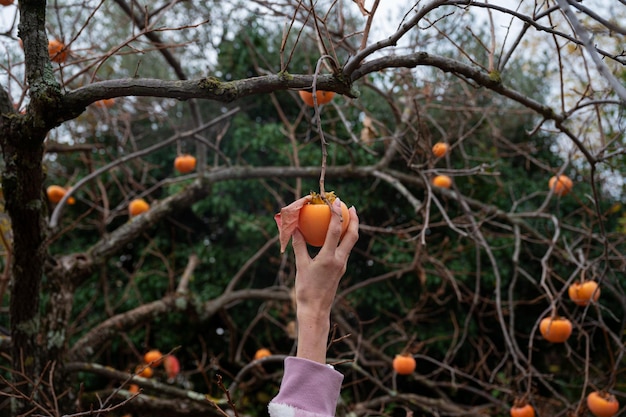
(310,388)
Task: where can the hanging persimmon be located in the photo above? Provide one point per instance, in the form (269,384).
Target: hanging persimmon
(185,163)
(323,97)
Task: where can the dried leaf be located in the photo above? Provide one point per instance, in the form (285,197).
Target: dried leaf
(369,132)
(367,136)
(287,220)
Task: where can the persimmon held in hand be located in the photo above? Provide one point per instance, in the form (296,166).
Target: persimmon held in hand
(404,364)
(561,187)
(322,97)
(314,219)
(56,193)
(57,50)
(262,353)
(582,293)
(153,357)
(440,149)
(442,181)
(138,206)
(555,329)
(526,410)
(602,404)
(185,163)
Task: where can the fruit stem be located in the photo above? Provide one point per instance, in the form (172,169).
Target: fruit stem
(318,121)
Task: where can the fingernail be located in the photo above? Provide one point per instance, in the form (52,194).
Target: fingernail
(337,202)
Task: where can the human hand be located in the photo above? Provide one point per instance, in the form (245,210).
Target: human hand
(317,280)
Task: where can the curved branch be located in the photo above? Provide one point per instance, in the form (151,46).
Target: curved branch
(586,39)
(354,63)
(184,402)
(86,345)
(457,68)
(395,183)
(81,265)
(608,24)
(532,21)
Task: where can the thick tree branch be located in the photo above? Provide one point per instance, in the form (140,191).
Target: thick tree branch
(85,347)
(207,88)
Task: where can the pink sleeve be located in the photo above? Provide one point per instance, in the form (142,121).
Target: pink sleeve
(308,389)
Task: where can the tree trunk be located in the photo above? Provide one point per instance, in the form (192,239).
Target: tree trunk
(34,350)
(22,182)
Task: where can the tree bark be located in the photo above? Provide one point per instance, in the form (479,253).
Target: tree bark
(22,144)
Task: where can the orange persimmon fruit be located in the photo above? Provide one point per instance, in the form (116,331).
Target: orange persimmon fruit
(562,186)
(153,357)
(582,293)
(314,219)
(172,366)
(57,50)
(6,2)
(322,97)
(440,149)
(442,181)
(144,370)
(185,163)
(262,353)
(56,193)
(525,410)
(138,206)
(602,404)
(105,103)
(404,364)
(555,329)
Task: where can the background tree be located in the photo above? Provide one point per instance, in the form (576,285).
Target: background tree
(458,278)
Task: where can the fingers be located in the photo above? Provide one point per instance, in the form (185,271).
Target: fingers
(334,228)
(299,248)
(351,236)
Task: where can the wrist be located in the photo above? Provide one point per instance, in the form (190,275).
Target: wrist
(317,328)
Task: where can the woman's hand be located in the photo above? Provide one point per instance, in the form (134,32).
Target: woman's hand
(317,280)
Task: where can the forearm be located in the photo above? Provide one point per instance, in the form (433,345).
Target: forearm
(313,329)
